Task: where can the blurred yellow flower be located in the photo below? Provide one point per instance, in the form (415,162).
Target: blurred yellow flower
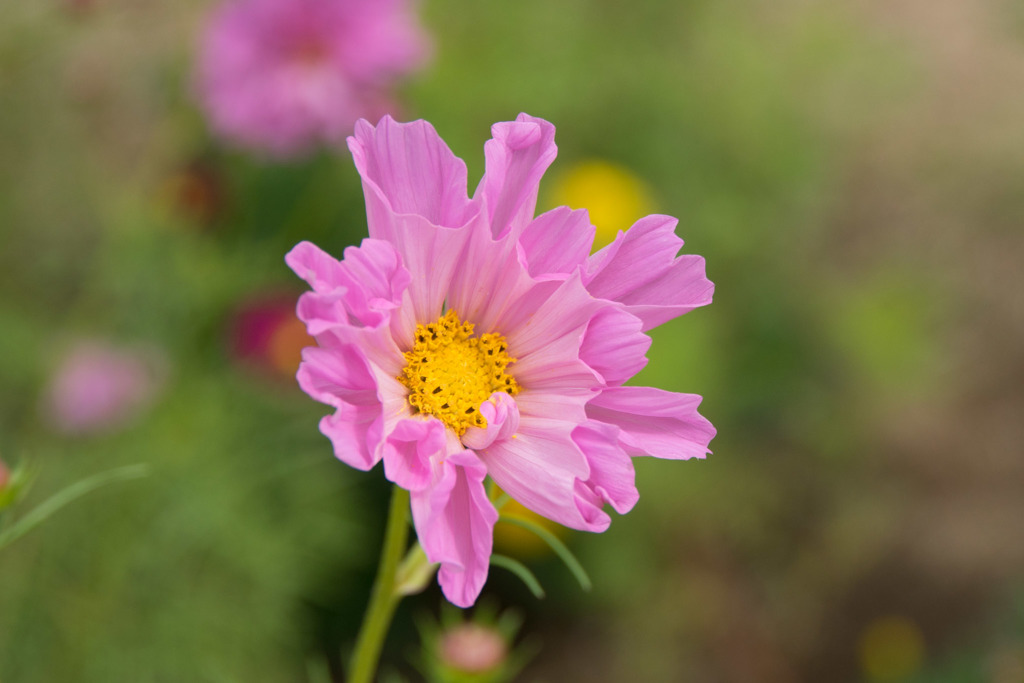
(613,195)
(515,541)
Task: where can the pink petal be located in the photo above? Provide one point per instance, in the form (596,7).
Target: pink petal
(546,314)
(343,379)
(545,331)
(363,290)
(640,269)
(490,280)
(352,429)
(556,243)
(614,345)
(539,467)
(409,448)
(516,157)
(557,368)
(502,417)
(454,521)
(408,169)
(375,344)
(376,281)
(566,404)
(362,301)
(322,310)
(612,479)
(415,192)
(654,422)
(314,265)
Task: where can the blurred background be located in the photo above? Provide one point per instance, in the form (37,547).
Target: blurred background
(853,173)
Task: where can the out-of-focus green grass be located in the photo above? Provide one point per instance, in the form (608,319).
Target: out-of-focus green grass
(247,551)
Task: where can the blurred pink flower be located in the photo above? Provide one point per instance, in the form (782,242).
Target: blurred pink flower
(284,76)
(264,334)
(99,387)
(472,648)
(466,338)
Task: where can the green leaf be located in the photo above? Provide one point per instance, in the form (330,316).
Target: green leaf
(42,512)
(557,546)
(520,570)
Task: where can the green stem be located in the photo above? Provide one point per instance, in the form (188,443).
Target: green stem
(42,512)
(384,598)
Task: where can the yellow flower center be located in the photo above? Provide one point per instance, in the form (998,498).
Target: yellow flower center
(449,372)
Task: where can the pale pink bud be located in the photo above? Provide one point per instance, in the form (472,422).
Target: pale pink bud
(472,648)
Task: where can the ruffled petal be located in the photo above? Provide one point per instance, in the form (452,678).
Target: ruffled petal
(640,270)
(454,521)
(502,417)
(516,157)
(344,380)
(614,345)
(409,448)
(612,478)
(556,243)
(376,280)
(548,314)
(375,343)
(314,265)
(322,311)
(351,429)
(366,289)
(490,281)
(360,301)
(654,422)
(415,191)
(409,169)
(545,331)
(539,467)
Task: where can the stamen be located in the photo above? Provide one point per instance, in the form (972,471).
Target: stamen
(449,372)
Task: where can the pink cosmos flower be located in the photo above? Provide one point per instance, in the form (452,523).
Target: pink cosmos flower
(286,75)
(466,338)
(99,387)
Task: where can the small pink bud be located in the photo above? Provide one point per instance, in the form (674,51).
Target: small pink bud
(5,475)
(471,648)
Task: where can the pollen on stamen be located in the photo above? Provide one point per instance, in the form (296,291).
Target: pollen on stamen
(449,372)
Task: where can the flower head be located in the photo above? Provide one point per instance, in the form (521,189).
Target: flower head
(99,387)
(286,75)
(467,338)
(471,648)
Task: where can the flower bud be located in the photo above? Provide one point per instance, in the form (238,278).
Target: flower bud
(472,648)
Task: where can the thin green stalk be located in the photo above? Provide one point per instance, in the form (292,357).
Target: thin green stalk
(42,512)
(384,598)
